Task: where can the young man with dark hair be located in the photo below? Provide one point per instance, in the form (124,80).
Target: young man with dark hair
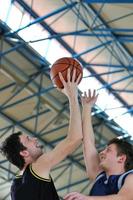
(112,168)
(34,181)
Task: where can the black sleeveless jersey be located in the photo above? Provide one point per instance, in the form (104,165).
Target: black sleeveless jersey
(30,186)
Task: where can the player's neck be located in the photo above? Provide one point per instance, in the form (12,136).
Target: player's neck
(24,168)
(115,171)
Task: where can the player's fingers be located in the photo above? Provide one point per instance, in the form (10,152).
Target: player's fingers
(85,94)
(74,75)
(70,196)
(62,78)
(94,93)
(68,74)
(89,93)
(78,79)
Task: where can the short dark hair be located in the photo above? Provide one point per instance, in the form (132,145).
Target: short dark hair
(11,148)
(124,147)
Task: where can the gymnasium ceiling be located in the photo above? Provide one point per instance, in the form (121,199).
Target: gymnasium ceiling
(100,36)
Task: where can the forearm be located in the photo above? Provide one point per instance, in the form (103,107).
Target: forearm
(79,196)
(107,197)
(75,124)
(90,152)
(88,133)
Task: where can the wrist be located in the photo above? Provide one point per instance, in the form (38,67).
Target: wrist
(73,99)
(87,107)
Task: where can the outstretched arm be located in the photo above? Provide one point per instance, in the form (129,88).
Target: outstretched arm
(90,152)
(71,91)
(74,136)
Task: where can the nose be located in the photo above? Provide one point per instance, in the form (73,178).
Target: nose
(102,152)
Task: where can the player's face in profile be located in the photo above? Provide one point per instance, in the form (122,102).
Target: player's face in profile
(108,156)
(33,146)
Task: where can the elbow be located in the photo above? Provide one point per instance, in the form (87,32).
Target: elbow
(74,142)
(77,139)
(80,138)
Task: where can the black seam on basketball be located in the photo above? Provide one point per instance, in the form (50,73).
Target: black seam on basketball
(61,63)
(74,63)
(77,64)
(68,61)
(78,69)
(69,64)
(61,71)
(65,69)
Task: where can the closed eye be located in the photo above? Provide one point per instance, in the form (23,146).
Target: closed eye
(108,149)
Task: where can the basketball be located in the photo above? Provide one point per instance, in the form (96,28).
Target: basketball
(62,65)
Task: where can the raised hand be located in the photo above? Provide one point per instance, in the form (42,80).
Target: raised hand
(89,98)
(70,86)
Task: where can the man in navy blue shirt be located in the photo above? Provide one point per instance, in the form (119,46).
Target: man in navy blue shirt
(112,169)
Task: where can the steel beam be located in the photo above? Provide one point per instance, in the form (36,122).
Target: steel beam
(107,1)
(40,19)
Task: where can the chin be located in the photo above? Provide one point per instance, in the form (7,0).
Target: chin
(39,152)
(102,165)
(38,155)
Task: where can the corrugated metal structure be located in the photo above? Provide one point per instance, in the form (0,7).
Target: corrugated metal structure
(100,36)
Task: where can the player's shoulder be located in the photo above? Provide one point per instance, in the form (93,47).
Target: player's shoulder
(123,177)
(129,177)
(42,160)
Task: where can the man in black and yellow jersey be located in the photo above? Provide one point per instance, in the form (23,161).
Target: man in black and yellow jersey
(34,181)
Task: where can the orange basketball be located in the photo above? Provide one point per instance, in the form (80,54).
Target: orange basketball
(62,65)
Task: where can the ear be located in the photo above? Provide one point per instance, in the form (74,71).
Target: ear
(24,153)
(122,158)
